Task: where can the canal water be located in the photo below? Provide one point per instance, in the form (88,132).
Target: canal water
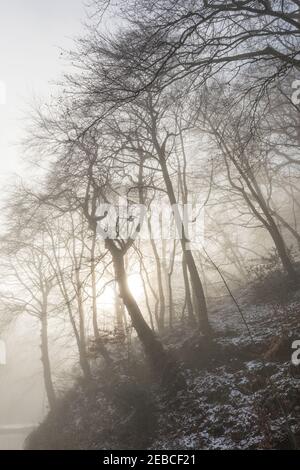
(22,395)
(12,441)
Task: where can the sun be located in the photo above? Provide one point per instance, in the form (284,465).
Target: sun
(107,298)
(135,284)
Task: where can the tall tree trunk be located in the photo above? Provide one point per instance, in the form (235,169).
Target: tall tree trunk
(267,219)
(154,294)
(64,292)
(164,269)
(162,302)
(46,361)
(270,224)
(194,275)
(152,346)
(162,305)
(255,196)
(291,229)
(147,299)
(94,287)
(283,254)
(274,232)
(100,345)
(189,304)
(170,274)
(277,237)
(171,303)
(84,362)
(119,313)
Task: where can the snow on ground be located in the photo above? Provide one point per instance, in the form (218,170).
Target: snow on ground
(241,393)
(246,396)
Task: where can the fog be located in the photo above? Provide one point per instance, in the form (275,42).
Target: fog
(22,392)
(32,37)
(150,214)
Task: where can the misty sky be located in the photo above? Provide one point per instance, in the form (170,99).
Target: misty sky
(31,35)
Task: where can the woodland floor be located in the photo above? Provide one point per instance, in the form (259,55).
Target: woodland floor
(241,393)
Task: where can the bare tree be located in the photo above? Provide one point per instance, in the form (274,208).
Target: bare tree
(243,157)
(30,282)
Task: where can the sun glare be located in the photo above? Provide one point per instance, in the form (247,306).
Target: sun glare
(135,285)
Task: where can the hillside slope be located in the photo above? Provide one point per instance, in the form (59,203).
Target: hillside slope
(241,393)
